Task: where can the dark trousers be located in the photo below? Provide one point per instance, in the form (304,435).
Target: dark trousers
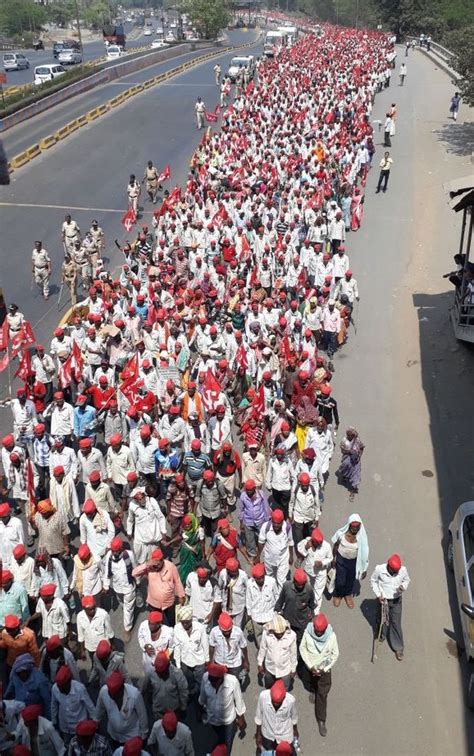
(330,342)
(383,179)
(281,500)
(225,734)
(393,631)
(42,489)
(194,676)
(387,142)
(301,530)
(321,686)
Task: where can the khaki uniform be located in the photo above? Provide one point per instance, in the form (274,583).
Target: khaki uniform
(151,182)
(99,237)
(133,192)
(83,265)
(69,277)
(200,109)
(217,71)
(70,233)
(41,262)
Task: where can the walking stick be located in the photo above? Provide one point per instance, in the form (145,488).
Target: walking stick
(60,294)
(378,635)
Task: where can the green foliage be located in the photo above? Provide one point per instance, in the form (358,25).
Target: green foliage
(96,14)
(20,16)
(37,92)
(462,42)
(208,17)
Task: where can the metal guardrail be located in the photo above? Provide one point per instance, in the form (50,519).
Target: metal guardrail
(442,52)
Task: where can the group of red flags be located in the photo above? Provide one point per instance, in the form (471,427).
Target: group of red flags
(12,345)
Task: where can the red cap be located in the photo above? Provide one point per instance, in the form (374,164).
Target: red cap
(20,750)
(317,536)
(8,440)
(223,523)
(19,551)
(300,576)
(63,675)
(325,390)
(163,442)
(196,444)
(133,747)
(58,470)
(278,692)
(115,439)
(89,507)
(155,617)
(258,570)
(226,446)
(48,590)
(53,643)
(284,749)
(250,485)
(232,564)
(169,721)
(309,453)
(117,544)
(132,476)
(5,509)
(11,622)
(225,621)
(285,426)
(278,516)
(304,479)
(157,554)
(39,428)
(115,682)
(394,562)
(280,452)
(145,431)
(87,602)
(94,476)
(202,572)
(31,713)
(216,670)
(320,623)
(85,443)
(103,649)
(208,475)
(162,661)
(86,728)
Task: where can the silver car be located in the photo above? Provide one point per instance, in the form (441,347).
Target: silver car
(15,62)
(460,557)
(69,57)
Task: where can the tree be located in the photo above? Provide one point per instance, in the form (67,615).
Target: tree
(208,17)
(462,42)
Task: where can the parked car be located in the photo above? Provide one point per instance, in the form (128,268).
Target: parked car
(460,558)
(66,44)
(239,62)
(148,32)
(15,61)
(69,56)
(37,44)
(114,52)
(47,72)
(157,43)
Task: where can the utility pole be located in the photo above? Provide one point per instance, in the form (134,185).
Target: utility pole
(78,22)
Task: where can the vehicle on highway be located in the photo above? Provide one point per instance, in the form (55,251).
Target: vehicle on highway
(148,32)
(48,72)
(69,56)
(37,44)
(114,35)
(291,33)
(239,62)
(157,44)
(170,37)
(460,558)
(15,61)
(274,41)
(114,52)
(66,44)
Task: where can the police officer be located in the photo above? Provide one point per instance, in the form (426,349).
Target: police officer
(41,268)
(151,181)
(69,276)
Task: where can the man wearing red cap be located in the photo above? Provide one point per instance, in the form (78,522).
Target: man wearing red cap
(253,512)
(16,640)
(276,717)
(13,598)
(227,644)
(305,509)
(317,559)
(319,651)
(70,702)
(168,687)
(122,706)
(93,626)
(105,661)
(55,656)
(232,587)
(24,419)
(144,449)
(296,602)
(90,460)
(201,590)
(225,544)
(280,479)
(164,584)
(87,740)
(62,417)
(63,494)
(228,470)
(389,581)
(54,613)
(222,704)
(11,534)
(260,598)
(119,462)
(170,737)
(22,567)
(146,524)
(211,498)
(119,565)
(101,494)
(275,546)
(37,733)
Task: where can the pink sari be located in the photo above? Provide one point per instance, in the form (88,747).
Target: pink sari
(356,212)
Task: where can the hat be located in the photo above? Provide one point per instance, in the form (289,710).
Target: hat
(225,621)
(5,509)
(202,572)
(31,713)
(11,621)
(280,452)
(116,544)
(133,747)
(285,426)
(208,475)
(163,443)
(162,661)
(169,721)
(300,576)
(317,536)
(89,507)
(94,476)
(155,617)
(48,590)
(145,431)
(320,623)
(278,516)
(394,562)
(86,728)
(309,453)
(195,444)
(87,602)
(304,479)
(115,682)
(19,551)
(39,428)
(53,643)
(250,485)
(132,476)
(216,670)
(326,390)
(85,443)
(348,273)
(58,470)
(284,748)
(278,692)
(8,440)
(103,649)
(157,554)
(63,675)
(115,439)
(258,570)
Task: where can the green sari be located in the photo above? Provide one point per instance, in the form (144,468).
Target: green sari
(190,551)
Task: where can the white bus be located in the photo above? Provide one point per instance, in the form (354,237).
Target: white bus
(274,41)
(291,33)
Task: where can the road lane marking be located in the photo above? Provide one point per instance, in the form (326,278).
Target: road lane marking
(62,207)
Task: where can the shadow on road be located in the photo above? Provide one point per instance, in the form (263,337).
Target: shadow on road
(447,379)
(457,137)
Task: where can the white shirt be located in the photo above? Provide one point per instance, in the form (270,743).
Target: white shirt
(276,724)
(387,585)
(201,597)
(227,651)
(55,620)
(118,578)
(321,554)
(260,602)
(127,722)
(276,545)
(239,590)
(92,631)
(280,475)
(91,577)
(162,643)
(119,464)
(304,506)
(62,420)
(181,744)
(23,573)
(278,654)
(147,523)
(97,540)
(11,534)
(67,709)
(190,648)
(224,704)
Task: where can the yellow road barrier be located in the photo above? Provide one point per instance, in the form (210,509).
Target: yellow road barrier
(116,100)
(33,151)
(20,160)
(63,132)
(48,142)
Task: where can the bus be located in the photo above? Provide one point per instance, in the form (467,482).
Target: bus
(274,41)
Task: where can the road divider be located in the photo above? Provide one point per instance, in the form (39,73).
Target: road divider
(45,144)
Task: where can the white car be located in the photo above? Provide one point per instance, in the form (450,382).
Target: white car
(15,62)
(170,37)
(157,43)
(148,32)
(114,52)
(69,57)
(48,72)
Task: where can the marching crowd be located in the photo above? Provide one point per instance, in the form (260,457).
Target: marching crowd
(170,448)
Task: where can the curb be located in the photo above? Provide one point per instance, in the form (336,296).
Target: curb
(45,144)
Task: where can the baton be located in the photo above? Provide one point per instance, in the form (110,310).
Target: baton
(60,293)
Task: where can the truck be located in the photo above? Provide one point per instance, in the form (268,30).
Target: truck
(274,41)
(114,35)
(291,33)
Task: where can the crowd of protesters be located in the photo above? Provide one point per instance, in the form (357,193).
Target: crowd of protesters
(170,449)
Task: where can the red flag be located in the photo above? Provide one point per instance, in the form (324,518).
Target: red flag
(23,339)
(220,217)
(24,368)
(217,110)
(211,117)
(130,370)
(30,487)
(258,402)
(4,361)
(128,219)
(211,391)
(4,335)
(77,361)
(241,358)
(165,175)
(65,373)
(249,89)
(129,388)
(245,249)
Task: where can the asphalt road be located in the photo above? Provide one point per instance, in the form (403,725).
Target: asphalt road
(402,380)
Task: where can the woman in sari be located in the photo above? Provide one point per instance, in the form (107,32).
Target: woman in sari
(356,209)
(351,558)
(349,471)
(192,546)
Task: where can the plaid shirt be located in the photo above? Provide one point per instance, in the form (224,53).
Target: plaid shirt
(41,449)
(98,747)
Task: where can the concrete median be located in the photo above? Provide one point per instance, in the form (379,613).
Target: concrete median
(20,160)
(47,142)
